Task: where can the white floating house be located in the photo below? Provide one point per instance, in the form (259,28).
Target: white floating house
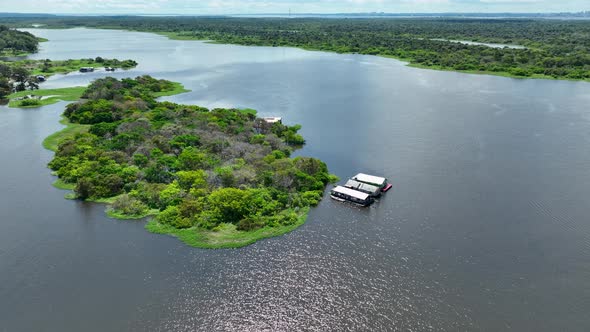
(346,194)
(272,120)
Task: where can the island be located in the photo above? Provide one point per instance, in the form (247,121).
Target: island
(220,178)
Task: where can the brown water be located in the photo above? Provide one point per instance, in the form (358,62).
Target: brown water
(485,229)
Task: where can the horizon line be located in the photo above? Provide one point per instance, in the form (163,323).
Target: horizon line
(303,13)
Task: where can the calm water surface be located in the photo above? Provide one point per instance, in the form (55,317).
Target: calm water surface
(486,228)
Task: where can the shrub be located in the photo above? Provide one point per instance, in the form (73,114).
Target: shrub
(30,102)
(250,224)
(128,205)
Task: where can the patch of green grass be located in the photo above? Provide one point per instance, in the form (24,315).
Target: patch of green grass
(52,141)
(249,111)
(178,89)
(178,36)
(70,196)
(108,200)
(493,73)
(112,213)
(225,235)
(11,53)
(52,96)
(60,184)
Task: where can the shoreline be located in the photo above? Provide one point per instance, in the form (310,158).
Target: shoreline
(178,36)
(225,236)
(409,63)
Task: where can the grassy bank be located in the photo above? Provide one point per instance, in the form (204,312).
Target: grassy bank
(11,53)
(410,61)
(225,235)
(122,216)
(177,89)
(51,96)
(492,73)
(52,141)
(59,184)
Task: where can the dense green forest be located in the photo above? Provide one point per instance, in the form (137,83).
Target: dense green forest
(553,48)
(212,176)
(13,42)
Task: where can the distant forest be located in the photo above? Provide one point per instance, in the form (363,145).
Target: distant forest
(553,48)
(15,42)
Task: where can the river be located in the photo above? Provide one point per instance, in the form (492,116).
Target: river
(486,227)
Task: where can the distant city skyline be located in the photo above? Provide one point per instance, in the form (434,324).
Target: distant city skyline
(211,7)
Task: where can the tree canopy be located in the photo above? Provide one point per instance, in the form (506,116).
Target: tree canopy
(15,42)
(200,168)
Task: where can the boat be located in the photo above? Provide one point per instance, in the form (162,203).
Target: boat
(373,180)
(343,194)
(86,69)
(370,189)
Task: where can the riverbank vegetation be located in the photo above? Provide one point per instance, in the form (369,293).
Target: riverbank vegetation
(557,49)
(215,178)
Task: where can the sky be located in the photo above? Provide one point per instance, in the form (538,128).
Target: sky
(208,7)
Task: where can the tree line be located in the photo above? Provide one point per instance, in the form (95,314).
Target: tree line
(553,48)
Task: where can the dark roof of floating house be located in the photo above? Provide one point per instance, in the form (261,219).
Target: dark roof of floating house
(362,186)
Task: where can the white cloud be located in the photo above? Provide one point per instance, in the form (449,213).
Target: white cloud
(282,6)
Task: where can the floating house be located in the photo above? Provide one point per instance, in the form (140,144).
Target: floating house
(373,180)
(344,194)
(272,120)
(372,190)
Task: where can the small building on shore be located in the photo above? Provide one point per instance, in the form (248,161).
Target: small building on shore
(272,120)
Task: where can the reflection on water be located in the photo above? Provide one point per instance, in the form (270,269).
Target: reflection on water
(484,229)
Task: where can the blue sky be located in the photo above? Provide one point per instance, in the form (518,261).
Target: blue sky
(283,6)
